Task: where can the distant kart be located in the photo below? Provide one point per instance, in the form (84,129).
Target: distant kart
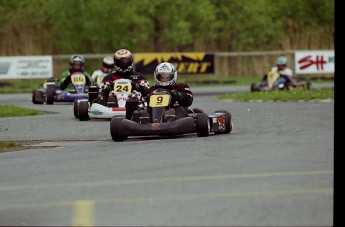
(119,102)
(275,82)
(53,93)
(160,121)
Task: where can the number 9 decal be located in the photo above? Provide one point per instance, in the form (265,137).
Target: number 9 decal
(159,99)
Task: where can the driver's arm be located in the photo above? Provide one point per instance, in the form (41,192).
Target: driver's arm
(184,95)
(65,83)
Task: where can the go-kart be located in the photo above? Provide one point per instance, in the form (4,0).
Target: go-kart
(275,81)
(51,91)
(158,119)
(119,102)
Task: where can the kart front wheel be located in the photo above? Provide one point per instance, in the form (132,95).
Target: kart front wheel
(228,122)
(76,108)
(253,87)
(115,124)
(35,97)
(83,111)
(202,128)
(50,94)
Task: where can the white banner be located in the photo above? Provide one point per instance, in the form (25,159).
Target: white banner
(311,62)
(26,67)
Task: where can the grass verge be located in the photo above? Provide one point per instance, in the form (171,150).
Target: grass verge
(20,86)
(8,145)
(284,96)
(15,111)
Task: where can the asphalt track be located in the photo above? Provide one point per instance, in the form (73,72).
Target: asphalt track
(274,169)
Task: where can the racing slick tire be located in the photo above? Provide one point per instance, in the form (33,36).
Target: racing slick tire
(115,128)
(254,87)
(228,122)
(35,98)
(83,111)
(202,127)
(76,108)
(50,94)
(195,110)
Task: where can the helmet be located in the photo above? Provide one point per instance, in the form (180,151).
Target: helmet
(165,74)
(107,64)
(281,60)
(123,60)
(76,62)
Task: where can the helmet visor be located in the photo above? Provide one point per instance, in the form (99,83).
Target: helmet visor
(281,66)
(165,77)
(77,65)
(107,66)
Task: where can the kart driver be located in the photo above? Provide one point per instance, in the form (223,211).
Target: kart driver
(123,64)
(165,75)
(106,68)
(76,63)
(283,70)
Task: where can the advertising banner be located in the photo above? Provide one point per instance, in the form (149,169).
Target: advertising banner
(26,67)
(186,63)
(311,62)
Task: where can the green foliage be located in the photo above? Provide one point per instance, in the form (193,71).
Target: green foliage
(103,26)
(290,95)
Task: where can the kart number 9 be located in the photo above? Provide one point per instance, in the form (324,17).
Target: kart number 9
(159,100)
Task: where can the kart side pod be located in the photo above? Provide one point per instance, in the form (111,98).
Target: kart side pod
(220,122)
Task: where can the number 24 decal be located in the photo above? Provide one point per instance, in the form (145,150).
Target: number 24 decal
(120,88)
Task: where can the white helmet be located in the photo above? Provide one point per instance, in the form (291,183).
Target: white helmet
(165,74)
(282,60)
(108,60)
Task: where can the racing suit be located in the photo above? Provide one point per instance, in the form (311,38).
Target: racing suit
(285,73)
(139,83)
(65,79)
(182,97)
(97,77)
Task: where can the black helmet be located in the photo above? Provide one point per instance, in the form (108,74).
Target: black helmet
(123,60)
(76,62)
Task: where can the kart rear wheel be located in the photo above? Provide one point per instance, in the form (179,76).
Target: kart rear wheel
(83,111)
(228,122)
(115,128)
(76,108)
(195,110)
(50,94)
(35,98)
(202,128)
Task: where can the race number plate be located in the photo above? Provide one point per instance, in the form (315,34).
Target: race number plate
(78,79)
(159,100)
(123,86)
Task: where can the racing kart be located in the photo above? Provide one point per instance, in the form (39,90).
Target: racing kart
(52,92)
(156,119)
(276,82)
(119,102)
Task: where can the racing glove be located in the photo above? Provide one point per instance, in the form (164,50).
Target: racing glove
(176,94)
(135,86)
(136,94)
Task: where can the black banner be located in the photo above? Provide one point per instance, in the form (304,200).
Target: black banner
(186,63)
